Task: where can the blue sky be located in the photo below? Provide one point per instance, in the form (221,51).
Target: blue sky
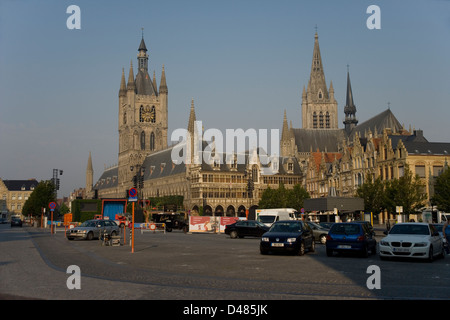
(244,63)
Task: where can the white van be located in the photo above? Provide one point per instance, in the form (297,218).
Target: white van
(269,216)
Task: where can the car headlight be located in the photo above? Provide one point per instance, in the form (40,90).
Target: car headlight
(265,239)
(384,243)
(290,240)
(421,244)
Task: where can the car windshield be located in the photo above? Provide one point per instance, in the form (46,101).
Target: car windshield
(266,219)
(410,229)
(88,223)
(286,227)
(260,224)
(346,229)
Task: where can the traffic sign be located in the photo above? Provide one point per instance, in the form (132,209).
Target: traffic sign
(52,206)
(132,195)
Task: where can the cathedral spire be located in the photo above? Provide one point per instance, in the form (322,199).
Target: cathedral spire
(317,85)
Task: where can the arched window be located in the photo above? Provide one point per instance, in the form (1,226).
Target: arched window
(142,140)
(327,120)
(152,141)
(141,111)
(255,172)
(321,120)
(315,120)
(153,115)
(124,118)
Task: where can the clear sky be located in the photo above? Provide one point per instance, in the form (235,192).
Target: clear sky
(243,61)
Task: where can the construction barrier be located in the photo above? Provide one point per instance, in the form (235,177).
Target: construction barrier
(153,227)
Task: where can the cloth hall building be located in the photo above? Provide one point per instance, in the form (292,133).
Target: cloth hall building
(325,159)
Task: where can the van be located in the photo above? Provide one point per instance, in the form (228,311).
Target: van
(269,216)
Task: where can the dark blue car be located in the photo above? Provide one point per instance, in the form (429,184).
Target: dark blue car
(288,236)
(351,237)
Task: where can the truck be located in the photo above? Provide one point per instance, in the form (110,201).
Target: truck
(435,216)
(269,216)
(115,209)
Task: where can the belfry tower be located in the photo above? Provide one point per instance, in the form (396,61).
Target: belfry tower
(143,116)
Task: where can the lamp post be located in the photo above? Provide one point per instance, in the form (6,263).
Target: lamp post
(138,183)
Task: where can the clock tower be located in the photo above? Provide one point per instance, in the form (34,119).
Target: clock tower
(143,116)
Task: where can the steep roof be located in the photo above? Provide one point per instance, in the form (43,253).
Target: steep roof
(313,139)
(20,185)
(376,124)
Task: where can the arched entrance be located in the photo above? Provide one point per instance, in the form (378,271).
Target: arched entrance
(230,211)
(219,211)
(241,211)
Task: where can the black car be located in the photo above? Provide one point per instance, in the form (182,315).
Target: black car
(246,228)
(16,222)
(288,236)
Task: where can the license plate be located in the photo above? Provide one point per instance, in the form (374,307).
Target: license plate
(343,246)
(400,249)
(277,244)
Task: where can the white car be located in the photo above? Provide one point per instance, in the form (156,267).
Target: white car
(412,240)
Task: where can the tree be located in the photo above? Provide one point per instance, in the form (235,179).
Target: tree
(283,198)
(43,194)
(407,191)
(442,191)
(373,193)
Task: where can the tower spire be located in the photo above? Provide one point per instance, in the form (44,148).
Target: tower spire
(123,86)
(130,84)
(350,109)
(317,85)
(163,84)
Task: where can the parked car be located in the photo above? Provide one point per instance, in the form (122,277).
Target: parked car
(91,229)
(288,236)
(319,232)
(326,225)
(351,237)
(368,225)
(246,228)
(412,240)
(16,222)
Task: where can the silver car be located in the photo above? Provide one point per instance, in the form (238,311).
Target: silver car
(91,229)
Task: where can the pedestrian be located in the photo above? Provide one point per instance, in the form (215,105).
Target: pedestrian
(446,236)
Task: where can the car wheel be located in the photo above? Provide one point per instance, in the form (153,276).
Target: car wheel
(263,251)
(301,250)
(90,236)
(323,239)
(365,252)
(69,238)
(329,253)
(430,254)
(113,234)
(313,246)
(233,234)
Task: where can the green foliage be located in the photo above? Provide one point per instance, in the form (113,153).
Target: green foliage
(43,194)
(283,198)
(407,191)
(82,216)
(441,196)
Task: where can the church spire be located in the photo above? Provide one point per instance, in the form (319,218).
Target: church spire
(350,109)
(317,85)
